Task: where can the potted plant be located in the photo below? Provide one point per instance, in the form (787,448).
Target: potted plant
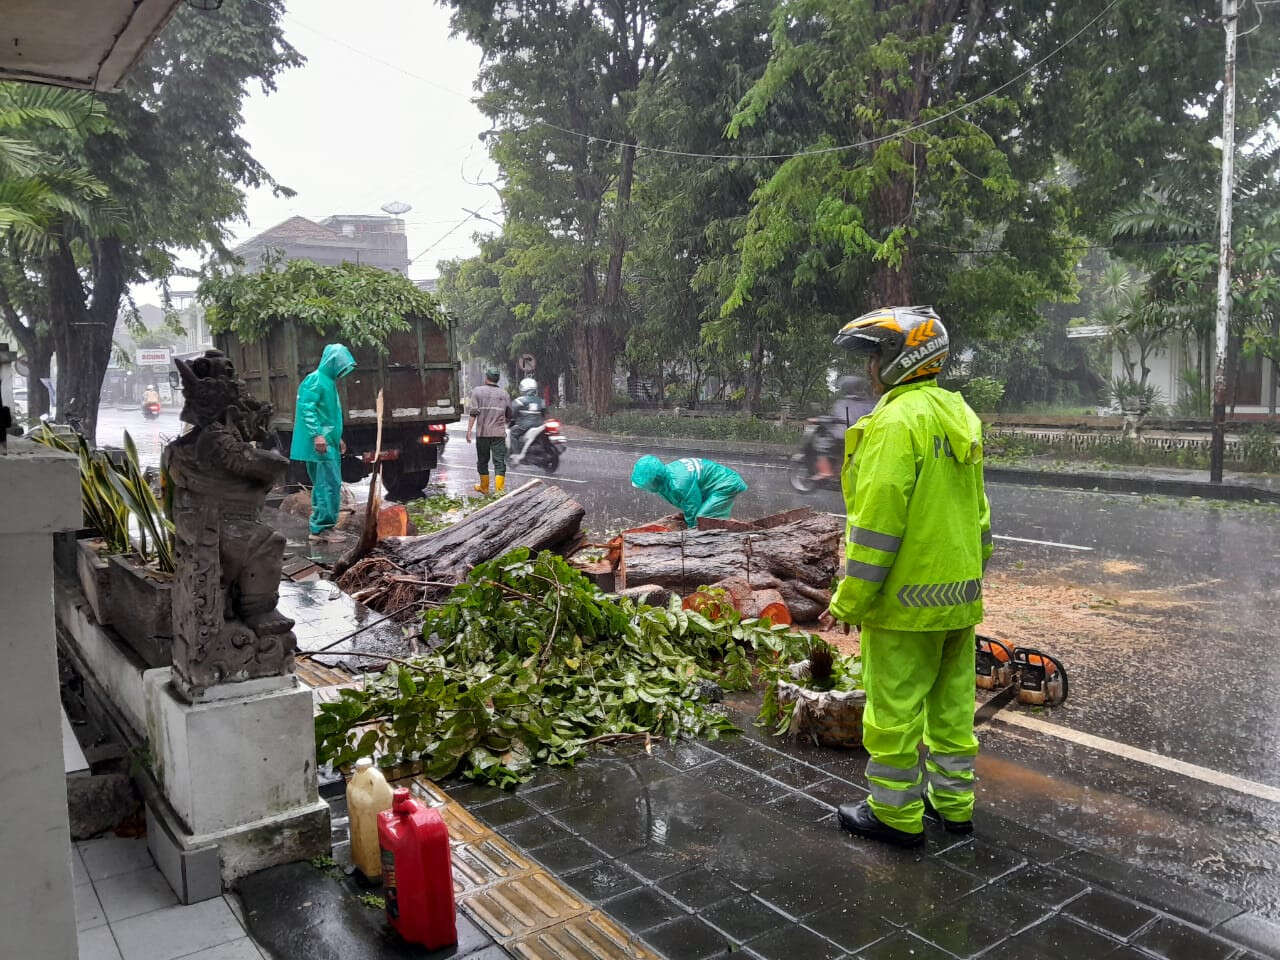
(106,520)
(819,698)
(140,579)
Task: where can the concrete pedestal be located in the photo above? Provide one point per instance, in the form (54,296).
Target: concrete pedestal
(237,770)
(37,912)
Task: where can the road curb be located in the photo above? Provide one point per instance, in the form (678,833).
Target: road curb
(1025,476)
(1110,483)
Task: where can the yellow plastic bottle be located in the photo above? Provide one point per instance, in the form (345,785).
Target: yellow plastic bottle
(368,794)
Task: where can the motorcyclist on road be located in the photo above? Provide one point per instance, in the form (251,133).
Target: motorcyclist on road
(530,413)
(151,394)
(853,402)
(695,487)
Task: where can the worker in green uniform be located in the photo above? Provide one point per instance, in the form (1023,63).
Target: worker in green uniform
(317,436)
(918,540)
(696,487)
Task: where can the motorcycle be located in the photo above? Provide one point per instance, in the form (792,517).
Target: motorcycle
(819,445)
(151,409)
(542,447)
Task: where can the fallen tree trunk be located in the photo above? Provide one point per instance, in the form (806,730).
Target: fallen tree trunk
(535,515)
(799,559)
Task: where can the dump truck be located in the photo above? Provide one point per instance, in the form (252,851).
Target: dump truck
(418,374)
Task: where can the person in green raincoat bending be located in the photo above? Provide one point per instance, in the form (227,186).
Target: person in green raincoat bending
(317,436)
(695,487)
(918,540)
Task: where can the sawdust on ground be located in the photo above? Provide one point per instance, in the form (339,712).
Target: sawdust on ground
(1046,609)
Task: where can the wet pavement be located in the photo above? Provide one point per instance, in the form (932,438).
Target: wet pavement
(149,435)
(729,848)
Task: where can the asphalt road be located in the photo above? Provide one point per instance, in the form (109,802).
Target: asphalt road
(1184,672)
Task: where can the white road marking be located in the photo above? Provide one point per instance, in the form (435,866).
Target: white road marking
(553,477)
(1043,543)
(1229,781)
(998,536)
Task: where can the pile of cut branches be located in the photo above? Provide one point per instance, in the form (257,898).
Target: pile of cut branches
(531,663)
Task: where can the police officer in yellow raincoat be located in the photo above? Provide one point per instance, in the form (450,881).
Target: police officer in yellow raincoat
(918,539)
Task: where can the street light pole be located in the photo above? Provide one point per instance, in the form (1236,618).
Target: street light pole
(1223,317)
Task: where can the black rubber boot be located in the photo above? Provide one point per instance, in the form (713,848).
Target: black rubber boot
(860,819)
(951,826)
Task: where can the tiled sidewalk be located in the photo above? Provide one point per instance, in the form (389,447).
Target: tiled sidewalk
(730,849)
(126,911)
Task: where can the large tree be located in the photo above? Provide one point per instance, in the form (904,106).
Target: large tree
(176,166)
(39,190)
(908,194)
(560,80)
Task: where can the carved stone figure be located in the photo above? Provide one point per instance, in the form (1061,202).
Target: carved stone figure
(225,624)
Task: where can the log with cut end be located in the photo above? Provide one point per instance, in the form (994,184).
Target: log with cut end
(798,559)
(536,515)
(767,605)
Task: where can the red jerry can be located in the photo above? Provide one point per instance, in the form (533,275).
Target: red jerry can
(417,874)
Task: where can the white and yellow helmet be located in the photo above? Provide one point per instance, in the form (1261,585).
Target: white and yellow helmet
(911,342)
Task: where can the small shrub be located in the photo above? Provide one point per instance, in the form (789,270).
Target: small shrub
(983,394)
(1258,450)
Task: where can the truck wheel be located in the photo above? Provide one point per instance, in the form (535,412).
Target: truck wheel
(403,487)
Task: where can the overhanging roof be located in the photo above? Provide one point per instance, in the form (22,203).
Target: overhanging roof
(77,43)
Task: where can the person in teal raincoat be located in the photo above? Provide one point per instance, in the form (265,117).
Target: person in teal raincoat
(317,436)
(696,487)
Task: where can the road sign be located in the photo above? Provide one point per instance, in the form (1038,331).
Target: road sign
(158,357)
(527,363)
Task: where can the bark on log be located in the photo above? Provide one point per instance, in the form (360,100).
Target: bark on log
(803,552)
(537,515)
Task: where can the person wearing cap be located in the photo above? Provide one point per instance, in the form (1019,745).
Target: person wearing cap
(489,412)
(697,487)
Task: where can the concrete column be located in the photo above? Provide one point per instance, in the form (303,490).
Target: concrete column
(41,496)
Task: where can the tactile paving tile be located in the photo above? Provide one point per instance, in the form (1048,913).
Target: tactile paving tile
(463,827)
(428,792)
(517,907)
(483,862)
(591,936)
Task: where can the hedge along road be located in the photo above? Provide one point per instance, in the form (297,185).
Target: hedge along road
(1163,611)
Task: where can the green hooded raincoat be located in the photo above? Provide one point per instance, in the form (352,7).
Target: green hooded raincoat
(318,413)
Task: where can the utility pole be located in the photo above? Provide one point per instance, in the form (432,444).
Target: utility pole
(1223,318)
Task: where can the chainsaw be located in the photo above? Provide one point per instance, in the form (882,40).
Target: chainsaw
(1033,676)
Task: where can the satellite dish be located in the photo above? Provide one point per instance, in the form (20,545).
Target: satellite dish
(395,208)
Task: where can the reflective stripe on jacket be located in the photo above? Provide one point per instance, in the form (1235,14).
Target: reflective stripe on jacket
(919,525)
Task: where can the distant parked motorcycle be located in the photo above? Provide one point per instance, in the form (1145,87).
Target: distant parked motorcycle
(817,465)
(541,446)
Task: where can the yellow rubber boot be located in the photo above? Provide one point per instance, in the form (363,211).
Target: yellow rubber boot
(483,485)
(499,483)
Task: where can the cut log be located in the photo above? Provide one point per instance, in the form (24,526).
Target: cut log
(782,519)
(767,604)
(725,523)
(804,551)
(536,515)
(648,594)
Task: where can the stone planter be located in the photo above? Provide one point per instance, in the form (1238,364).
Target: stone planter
(65,552)
(829,718)
(140,609)
(93,572)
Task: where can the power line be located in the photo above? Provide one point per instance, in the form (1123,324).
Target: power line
(817,151)
(471,215)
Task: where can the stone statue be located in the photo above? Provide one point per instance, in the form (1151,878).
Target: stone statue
(227,582)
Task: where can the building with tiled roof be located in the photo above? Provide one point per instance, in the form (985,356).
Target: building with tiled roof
(377,241)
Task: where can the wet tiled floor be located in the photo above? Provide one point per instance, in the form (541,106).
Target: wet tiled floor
(730,848)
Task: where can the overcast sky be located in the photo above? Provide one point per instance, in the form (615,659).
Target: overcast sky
(350,133)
